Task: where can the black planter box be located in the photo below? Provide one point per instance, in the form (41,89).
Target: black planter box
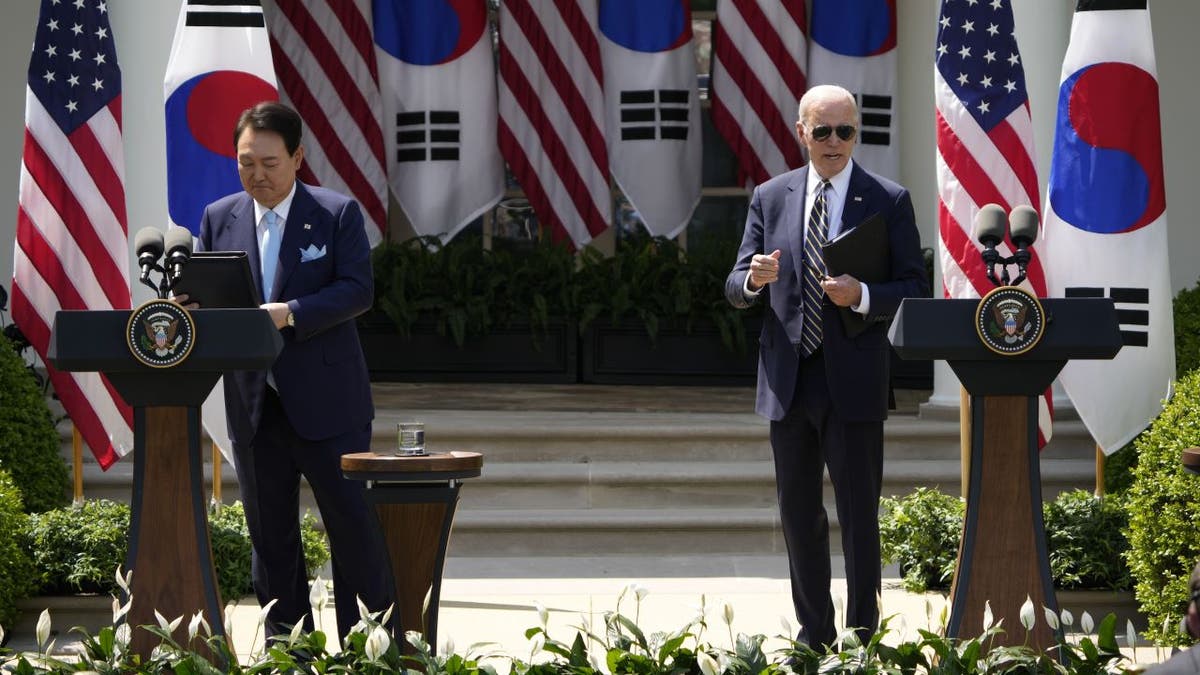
(511,354)
(624,354)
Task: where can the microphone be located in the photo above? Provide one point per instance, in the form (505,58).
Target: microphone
(989,230)
(1023,229)
(179,250)
(148,244)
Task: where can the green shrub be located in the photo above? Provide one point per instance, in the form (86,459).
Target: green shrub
(1086,540)
(232,551)
(1186,311)
(1164,507)
(28,440)
(921,532)
(77,549)
(16,570)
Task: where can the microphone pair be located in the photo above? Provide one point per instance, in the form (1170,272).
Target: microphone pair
(991,224)
(150,244)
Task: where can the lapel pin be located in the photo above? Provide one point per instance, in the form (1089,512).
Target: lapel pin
(307,226)
(857,198)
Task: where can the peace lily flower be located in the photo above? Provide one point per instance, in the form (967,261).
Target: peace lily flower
(295,634)
(1086,623)
(318,595)
(1067,617)
(1026,614)
(1130,634)
(537,642)
(168,626)
(195,624)
(708,665)
(1051,618)
(119,610)
(987,615)
(377,643)
(124,581)
(727,613)
(786,625)
(640,591)
(543,614)
(42,632)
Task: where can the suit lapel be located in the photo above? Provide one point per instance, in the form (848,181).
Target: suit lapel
(793,216)
(295,237)
(854,209)
(243,235)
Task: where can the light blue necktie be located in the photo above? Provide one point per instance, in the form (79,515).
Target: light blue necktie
(269,253)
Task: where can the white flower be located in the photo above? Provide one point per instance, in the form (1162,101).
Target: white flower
(727,613)
(195,624)
(543,614)
(377,643)
(1130,634)
(640,591)
(1051,618)
(1086,624)
(448,646)
(708,665)
(987,615)
(318,595)
(537,642)
(229,618)
(363,612)
(168,626)
(124,581)
(1026,613)
(786,625)
(124,634)
(1,635)
(42,632)
(262,613)
(119,610)
(1067,617)
(295,634)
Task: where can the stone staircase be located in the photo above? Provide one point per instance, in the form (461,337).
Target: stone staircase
(579,472)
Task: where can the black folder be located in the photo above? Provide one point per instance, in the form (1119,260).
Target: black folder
(864,253)
(218,280)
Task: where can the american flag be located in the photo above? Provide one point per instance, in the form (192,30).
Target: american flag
(72,247)
(984,142)
(552,113)
(325,63)
(759,58)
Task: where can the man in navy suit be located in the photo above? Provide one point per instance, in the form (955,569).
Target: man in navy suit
(310,255)
(824,390)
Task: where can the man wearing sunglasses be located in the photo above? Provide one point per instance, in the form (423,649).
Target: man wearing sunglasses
(824,390)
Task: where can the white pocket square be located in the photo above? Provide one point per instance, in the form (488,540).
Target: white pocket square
(311,253)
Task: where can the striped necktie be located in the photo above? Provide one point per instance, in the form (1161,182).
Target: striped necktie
(815,235)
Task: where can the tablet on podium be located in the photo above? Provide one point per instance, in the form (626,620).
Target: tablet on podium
(219,280)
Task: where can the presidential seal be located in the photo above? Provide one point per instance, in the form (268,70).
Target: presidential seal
(160,333)
(1010,320)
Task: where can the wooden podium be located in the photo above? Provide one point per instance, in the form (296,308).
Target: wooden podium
(1003,558)
(414,499)
(169,548)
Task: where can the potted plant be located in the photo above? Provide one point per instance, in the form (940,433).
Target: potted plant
(656,314)
(460,312)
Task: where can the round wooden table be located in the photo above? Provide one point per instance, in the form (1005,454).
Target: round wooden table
(414,499)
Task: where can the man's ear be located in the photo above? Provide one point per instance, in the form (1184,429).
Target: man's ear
(1193,620)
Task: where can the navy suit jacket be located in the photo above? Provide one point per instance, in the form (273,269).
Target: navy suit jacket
(321,373)
(857,368)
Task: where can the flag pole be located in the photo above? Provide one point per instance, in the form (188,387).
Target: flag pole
(964,438)
(1099,471)
(77,463)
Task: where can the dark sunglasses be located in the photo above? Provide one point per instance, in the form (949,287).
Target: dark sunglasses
(844,131)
